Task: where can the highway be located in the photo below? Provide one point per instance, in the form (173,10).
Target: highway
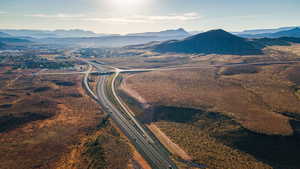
(148,146)
(107,69)
(153,152)
(107,97)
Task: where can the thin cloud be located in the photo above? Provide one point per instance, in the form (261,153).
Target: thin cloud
(2,12)
(58,16)
(148,19)
(116,20)
(123,20)
(183,17)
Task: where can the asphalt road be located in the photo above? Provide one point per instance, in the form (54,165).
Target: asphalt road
(149,147)
(108,69)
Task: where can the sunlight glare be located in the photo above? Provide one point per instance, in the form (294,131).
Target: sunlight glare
(127,4)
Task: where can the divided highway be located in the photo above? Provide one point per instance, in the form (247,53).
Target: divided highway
(149,147)
(152,150)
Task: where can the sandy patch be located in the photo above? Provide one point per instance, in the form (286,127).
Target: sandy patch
(131,92)
(141,162)
(168,143)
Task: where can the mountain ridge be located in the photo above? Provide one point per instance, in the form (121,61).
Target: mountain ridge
(212,42)
(165,33)
(49,33)
(294,32)
(2,34)
(261,31)
(14,40)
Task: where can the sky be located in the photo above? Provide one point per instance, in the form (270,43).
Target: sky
(132,16)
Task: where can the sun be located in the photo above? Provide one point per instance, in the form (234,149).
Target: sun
(129,4)
(125,2)
(124,7)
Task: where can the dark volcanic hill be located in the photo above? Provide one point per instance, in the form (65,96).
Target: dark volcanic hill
(211,42)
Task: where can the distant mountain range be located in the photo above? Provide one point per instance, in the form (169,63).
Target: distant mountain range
(107,41)
(84,38)
(60,33)
(293,32)
(288,33)
(260,31)
(2,34)
(167,33)
(13,43)
(216,41)
(195,32)
(47,34)
(14,40)
(77,33)
(116,40)
(211,42)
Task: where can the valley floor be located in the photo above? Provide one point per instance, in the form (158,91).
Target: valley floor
(231,116)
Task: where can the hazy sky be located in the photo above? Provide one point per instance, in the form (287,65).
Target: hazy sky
(126,16)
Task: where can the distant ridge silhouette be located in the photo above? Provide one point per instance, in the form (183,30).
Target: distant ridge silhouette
(211,42)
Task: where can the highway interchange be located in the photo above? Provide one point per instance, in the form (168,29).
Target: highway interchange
(144,141)
(155,154)
(149,147)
